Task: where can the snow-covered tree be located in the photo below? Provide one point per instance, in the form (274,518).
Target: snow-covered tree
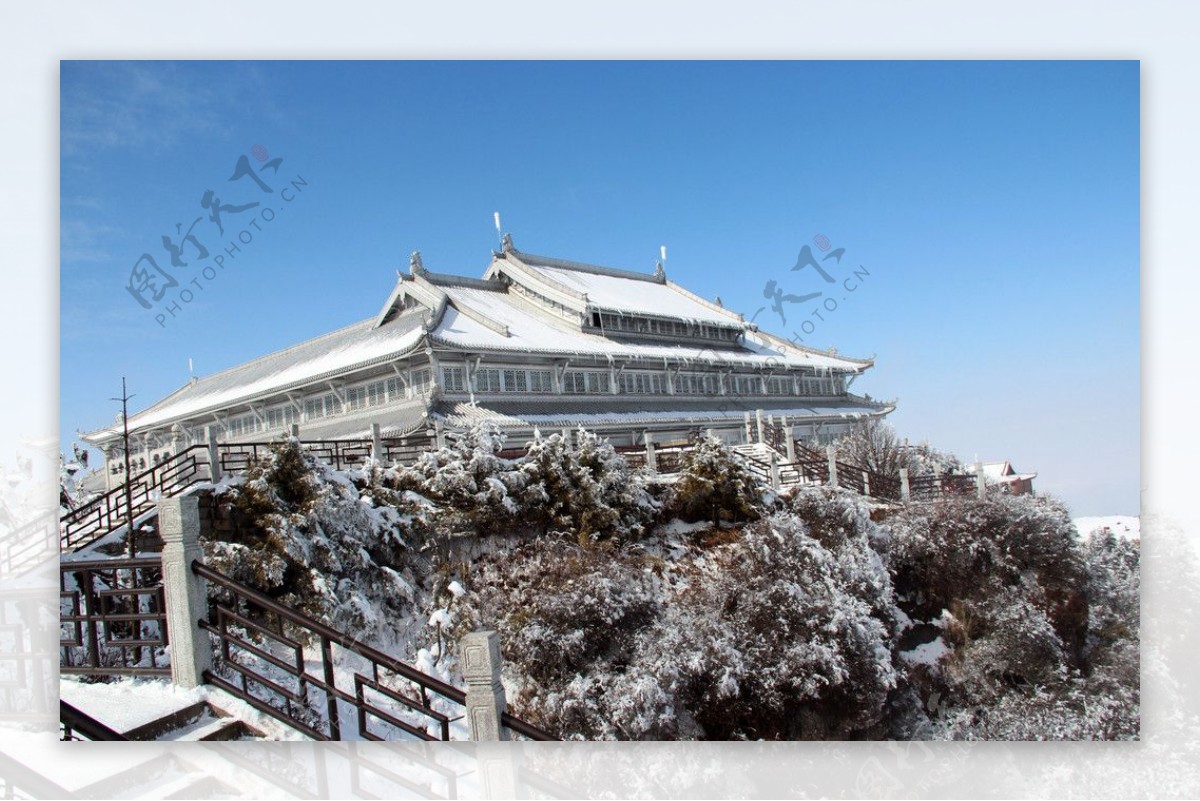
(771,635)
(312,543)
(873,444)
(585,488)
(712,483)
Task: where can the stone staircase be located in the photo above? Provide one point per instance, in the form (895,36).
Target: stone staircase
(197,722)
(200,722)
(757,457)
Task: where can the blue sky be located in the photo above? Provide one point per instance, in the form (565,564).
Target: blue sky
(995,206)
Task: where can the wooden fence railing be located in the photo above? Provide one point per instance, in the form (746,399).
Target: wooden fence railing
(263,661)
(112,618)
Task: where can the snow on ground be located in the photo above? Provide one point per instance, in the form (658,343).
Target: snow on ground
(927,653)
(677,526)
(127,703)
(1127,526)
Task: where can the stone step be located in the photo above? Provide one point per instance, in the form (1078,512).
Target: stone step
(200,721)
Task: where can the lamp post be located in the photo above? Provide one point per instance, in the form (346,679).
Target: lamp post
(124,399)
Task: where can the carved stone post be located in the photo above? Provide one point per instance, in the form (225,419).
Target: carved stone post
(749,434)
(774,470)
(651,459)
(184,591)
(866,483)
(214,455)
(295,431)
(905,492)
(789,440)
(980,481)
(376,443)
(758,420)
(485,694)
(833,478)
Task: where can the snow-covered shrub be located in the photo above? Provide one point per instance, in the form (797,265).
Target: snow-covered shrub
(472,486)
(712,483)
(1008,585)
(1114,589)
(585,488)
(568,618)
(969,549)
(787,641)
(311,542)
(772,635)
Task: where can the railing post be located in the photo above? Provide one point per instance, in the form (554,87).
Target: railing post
(184,591)
(486,703)
(758,420)
(789,441)
(833,477)
(214,455)
(774,470)
(905,493)
(439,434)
(980,481)
(651,458)
(376,443)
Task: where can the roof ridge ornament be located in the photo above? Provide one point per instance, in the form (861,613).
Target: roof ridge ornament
(415,265)
(660,275)
(506,243)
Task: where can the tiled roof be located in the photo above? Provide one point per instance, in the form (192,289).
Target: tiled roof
(332,354)
(622,291)
(531,333)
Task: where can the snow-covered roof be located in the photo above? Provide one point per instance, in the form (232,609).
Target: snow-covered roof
(357,345)
(534,332)
(628,292)
(1002,472)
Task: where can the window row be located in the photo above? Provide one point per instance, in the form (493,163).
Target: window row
(653,325)
(599,382)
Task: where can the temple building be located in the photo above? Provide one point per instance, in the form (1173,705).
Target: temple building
(537,343)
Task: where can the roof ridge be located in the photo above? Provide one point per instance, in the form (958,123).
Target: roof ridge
(449,279)
(563,264)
